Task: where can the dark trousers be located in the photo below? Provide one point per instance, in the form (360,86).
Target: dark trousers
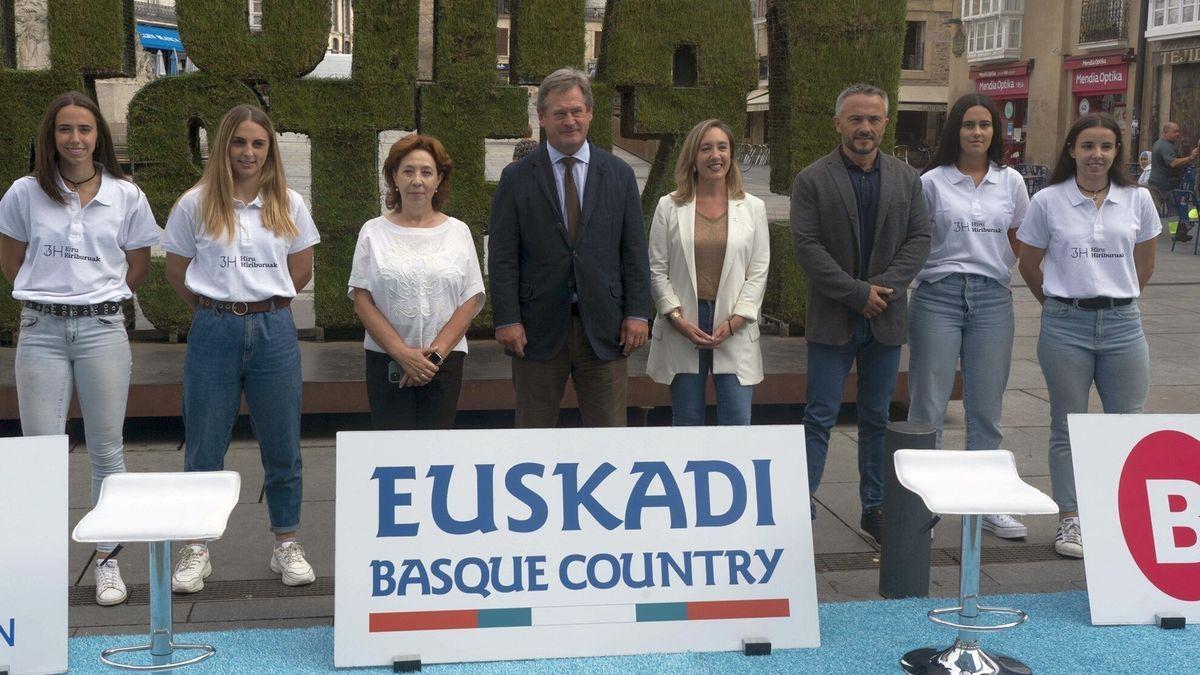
(431,406)
(599,385)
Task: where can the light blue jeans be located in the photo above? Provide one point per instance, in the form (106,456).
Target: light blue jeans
(687,390)
(967,317)
(255,354)
(91,355)
(1077,347)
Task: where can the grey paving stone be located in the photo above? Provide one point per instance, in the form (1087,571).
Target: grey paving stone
(134,617)
(245,550)
(1018,575)
(262,609)
(320,463)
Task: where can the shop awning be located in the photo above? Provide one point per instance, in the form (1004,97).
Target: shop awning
(159,37)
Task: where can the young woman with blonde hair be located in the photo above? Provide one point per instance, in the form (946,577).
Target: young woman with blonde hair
(709,254)
(239,247)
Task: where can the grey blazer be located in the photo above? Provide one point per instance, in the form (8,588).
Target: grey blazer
(824,220)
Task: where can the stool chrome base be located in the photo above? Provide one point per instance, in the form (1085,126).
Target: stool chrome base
(207,650)
(960,659)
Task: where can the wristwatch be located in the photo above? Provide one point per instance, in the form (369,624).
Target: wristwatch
(675,314)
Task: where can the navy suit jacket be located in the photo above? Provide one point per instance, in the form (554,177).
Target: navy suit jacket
(534,270)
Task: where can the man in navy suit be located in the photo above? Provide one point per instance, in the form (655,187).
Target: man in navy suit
(569,269)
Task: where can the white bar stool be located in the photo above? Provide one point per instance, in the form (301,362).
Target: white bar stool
(971,484)
(159,508)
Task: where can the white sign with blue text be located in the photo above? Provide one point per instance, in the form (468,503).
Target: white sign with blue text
(33,554)
(536,543)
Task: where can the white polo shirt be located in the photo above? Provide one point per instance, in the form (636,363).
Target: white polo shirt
(971,223)
(76,256)
(250,268)
(1089,249)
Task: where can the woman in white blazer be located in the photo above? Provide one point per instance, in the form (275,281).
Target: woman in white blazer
(709,253)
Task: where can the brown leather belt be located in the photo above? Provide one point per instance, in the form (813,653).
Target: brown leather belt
(240,308)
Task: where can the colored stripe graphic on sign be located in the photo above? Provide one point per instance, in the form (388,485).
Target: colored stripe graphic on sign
(388,622)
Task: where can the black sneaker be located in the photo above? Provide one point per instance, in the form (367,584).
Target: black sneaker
(1185,237)
(871,524)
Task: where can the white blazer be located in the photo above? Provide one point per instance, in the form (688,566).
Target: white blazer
(740,289)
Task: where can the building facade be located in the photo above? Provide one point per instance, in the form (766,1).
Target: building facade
(924,75)
(1048,63)
(1173,45)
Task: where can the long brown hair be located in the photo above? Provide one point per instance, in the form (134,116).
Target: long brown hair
(1064,169)
(216,183)
(951,144)
(685,165)
(45,157)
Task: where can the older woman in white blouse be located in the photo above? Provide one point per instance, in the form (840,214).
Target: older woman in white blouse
(709,253)
(416,286)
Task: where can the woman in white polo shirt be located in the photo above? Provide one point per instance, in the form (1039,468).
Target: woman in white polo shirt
(961,306)
(74,242)
(1087,251)
(239,246)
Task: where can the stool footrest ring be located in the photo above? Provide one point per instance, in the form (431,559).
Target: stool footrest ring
(935,615)
(207,651)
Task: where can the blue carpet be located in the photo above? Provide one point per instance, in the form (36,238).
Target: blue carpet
(856,637)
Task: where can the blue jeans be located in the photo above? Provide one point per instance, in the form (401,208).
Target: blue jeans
(86,353)
(1077,347)
(828,366)
(965,316)
(687,390)
(255,354)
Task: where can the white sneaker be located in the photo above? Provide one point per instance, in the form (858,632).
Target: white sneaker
(1069,540)
(288,560)
(110,589)
(193,568)
(1004,526)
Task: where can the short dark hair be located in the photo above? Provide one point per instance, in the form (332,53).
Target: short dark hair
(401,149)
(1064,169)
(951,143)
(860,88)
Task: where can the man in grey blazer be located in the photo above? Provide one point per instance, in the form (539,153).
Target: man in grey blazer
(861,232)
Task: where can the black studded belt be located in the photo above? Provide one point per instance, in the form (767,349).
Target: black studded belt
(98,309)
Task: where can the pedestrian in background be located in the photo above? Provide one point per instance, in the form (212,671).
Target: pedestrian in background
(1087,251)
(1166,167)
(961,308)
(75,238)
(709,254)
(239,246)
(416,286)
(861,233)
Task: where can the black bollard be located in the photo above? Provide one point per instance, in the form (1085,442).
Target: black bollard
(904,554)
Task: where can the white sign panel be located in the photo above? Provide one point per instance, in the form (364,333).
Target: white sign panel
(33,554)
(1138,481)
(515,544)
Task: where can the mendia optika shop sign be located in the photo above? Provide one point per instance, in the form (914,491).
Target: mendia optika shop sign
(512,544)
